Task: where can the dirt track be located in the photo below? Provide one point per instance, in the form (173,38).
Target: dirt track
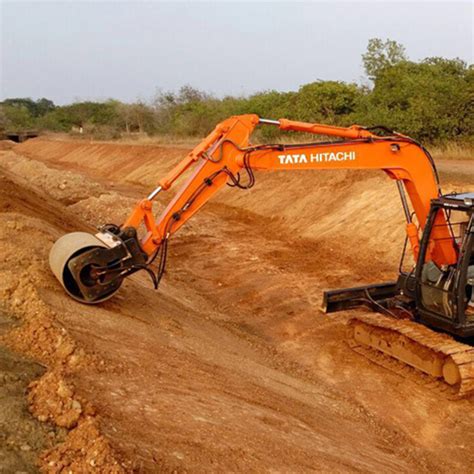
(231,366)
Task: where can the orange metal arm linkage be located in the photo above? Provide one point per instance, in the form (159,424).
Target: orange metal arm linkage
(352,132)
(226,152)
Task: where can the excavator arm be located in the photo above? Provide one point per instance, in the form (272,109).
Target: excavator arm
(226,152)
(224,157)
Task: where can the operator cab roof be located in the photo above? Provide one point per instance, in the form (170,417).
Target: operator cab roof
(457,200)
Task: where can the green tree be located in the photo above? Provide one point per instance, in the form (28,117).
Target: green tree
(3,119)
(380,55)
(35,108)
(431,100)
(141,116)
(16,117)
(42,107)
(326,101)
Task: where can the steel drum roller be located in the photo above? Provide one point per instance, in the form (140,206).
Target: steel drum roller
(61,257)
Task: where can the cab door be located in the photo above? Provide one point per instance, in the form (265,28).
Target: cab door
(437,286)
(466,275)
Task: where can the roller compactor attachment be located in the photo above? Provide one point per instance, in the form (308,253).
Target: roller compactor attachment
(91,268)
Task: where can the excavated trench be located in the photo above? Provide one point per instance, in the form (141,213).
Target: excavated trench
(231,366)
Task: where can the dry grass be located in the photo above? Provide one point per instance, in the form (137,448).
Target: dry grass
(144,139)
(132,139)
(453,151)
(449,151)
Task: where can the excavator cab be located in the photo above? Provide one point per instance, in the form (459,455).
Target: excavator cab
(438,296)
(444,295)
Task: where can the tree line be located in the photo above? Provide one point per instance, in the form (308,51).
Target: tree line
(431,100)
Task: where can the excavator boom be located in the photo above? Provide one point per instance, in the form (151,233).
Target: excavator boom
(226,152)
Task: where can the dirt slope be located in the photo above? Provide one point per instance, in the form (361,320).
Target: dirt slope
(231,366)
(22,437)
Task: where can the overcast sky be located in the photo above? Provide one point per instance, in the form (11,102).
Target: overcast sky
(67,50)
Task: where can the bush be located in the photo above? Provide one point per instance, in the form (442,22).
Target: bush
(431,100)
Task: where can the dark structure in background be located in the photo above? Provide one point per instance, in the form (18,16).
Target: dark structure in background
(19,137)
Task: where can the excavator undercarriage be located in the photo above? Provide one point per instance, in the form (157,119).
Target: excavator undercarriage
(391,334)
(434,354)
(424,320)
(428,297)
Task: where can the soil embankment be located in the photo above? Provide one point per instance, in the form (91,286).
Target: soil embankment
(231,365)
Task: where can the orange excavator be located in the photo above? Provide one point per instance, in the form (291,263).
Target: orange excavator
(424,319)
